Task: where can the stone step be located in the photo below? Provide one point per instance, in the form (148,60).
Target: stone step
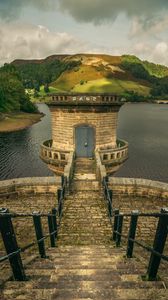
(85,264)
(83,176)
(86,291)
(72,284)
(85,185)
(87,272)
(109,294)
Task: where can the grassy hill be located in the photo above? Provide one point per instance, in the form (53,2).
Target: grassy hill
(124,75)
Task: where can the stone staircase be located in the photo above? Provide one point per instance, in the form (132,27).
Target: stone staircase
(85,175)
(85,264)
(85,272)
(84,220)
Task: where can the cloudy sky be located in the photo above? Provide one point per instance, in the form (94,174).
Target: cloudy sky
(39,28)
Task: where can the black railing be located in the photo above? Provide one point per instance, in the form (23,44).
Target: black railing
(160,235)
(13,251)
(61,196)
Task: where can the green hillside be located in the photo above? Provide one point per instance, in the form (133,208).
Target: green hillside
(124,75)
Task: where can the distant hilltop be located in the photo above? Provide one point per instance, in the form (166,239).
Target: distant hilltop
(125,75)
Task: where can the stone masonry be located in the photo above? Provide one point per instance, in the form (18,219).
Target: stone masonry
(63,124)
(86,264)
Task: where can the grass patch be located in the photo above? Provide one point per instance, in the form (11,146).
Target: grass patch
(112,85)
(18,121)
(69,79)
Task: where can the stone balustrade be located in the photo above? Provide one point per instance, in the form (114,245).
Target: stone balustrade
(51,155)
(56,159)
(86,98)
(116,155)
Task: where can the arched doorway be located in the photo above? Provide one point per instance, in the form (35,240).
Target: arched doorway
(84,141)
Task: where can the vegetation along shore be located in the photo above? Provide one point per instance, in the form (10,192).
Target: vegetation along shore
(17,121)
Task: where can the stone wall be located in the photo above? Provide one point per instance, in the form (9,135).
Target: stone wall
(63,123)
(28,186)
(139,187)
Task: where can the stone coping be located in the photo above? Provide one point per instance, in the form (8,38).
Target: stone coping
(31,181)
(29,185)
(12,185)
(139,182)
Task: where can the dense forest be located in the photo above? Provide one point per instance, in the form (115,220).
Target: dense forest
(36,74)
(12,91)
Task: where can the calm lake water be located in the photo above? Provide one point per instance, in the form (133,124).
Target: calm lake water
(144,126)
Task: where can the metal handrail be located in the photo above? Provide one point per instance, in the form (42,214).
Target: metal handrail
(160,236)
(148,248)
(9,237)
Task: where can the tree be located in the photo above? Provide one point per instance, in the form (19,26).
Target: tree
(46,88)
(12,92)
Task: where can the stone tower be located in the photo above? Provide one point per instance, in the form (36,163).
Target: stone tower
(82,125)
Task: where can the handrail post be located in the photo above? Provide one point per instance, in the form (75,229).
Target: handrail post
(51,230)
(54,213)
(105,186)
(159,243)
(10,243)
(110,202)
(119,230)
(132,232)
(116,213)
(60,198)
(59,193)
(62,180)
(106,179)
(39,233)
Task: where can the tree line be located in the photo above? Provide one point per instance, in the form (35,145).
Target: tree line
(12,92)
(34,75)
(155,75)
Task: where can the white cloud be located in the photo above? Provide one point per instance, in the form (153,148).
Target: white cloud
(30,41)
(25,41)
(156,53)
(159,53)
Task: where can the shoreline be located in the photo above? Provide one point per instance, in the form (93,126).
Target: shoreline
(19,121)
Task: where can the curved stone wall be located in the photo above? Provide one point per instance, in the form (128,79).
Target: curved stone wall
(113,158)
(119,185)
(139,187)
(64,123)
(28,186)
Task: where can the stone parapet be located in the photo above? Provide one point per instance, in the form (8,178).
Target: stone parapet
(85,99)
(139,187)
(56,159)
(29,185)
(112,158)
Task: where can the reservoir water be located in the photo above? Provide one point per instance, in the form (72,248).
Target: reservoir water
(144,126)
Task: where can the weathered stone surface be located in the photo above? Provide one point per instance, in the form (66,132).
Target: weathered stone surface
(85,272)
(63,124)
(86,264)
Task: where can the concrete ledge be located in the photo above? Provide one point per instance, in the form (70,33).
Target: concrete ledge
(29,185)
(139,187)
